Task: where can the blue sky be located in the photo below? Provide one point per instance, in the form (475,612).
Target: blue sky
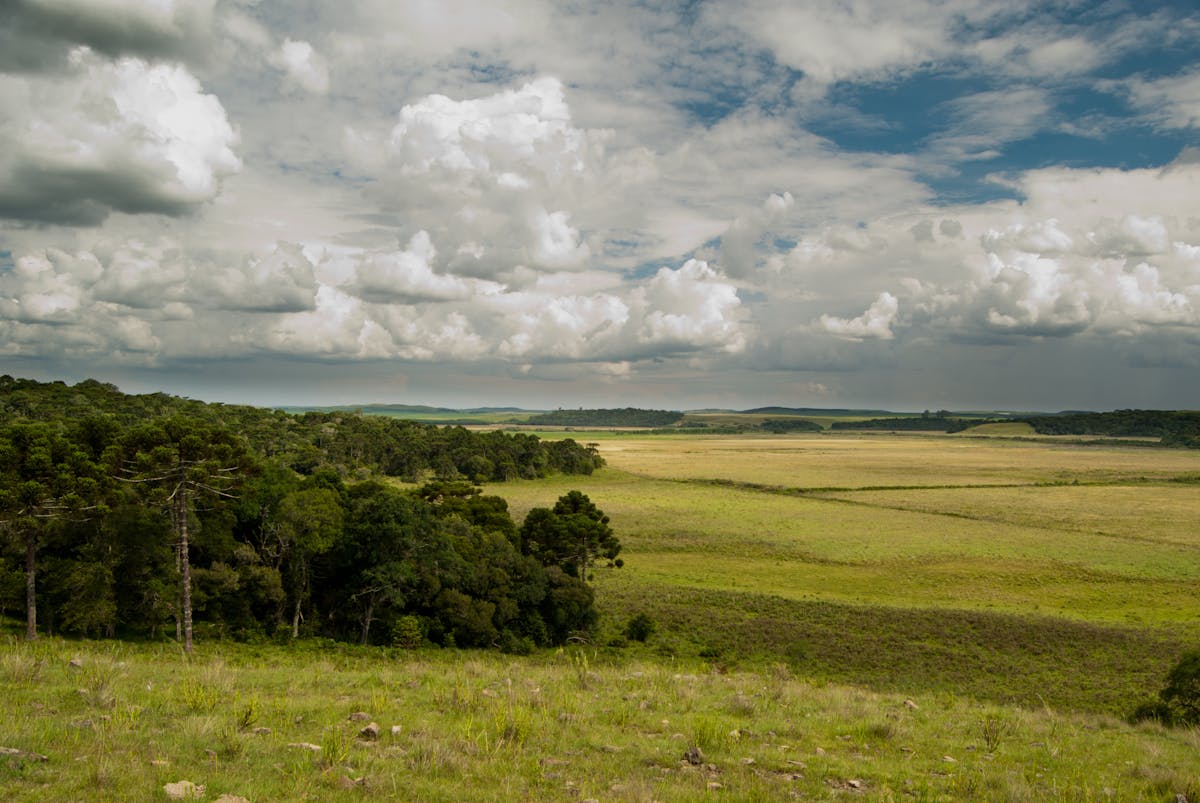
(910,204)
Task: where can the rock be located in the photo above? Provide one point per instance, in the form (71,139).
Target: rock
(183,790)
(713,786)
(370,733)
(25,754)
(693,755)
(820,751)
(748,761)
(231,799)
(911,706)
(316,748)
(261,731)
(359,716)
(950,759)
(75,663)
(397,730)
(854,783)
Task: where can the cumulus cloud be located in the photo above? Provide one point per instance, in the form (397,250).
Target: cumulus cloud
(408,276)
(304,67)
(874,324)
(122,135)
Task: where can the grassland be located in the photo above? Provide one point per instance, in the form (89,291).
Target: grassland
(120,722)
(1009,570)
(885,617)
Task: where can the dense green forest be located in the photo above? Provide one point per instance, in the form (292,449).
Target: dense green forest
(624,417)
(132,515)
(1176,428)
(939,422)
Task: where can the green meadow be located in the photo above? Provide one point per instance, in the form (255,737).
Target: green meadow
(1016,571)
(915,617)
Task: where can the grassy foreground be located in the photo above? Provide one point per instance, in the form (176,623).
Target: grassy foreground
(271,723)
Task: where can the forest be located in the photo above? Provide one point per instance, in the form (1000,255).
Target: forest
(1173,428)
(623,417)
(143,515)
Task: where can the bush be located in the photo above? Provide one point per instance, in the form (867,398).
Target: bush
(406,633)
(1182,692)
(640,628)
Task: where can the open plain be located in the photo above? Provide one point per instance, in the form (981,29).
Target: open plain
(884,617)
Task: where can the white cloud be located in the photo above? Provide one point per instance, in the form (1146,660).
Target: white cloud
(1173,101)
(124,135)
(874,324)
(305,67)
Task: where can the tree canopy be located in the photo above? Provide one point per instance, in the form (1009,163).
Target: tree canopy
(136,515)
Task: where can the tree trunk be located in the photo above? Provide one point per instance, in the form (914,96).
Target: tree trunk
(296,620)
(367,617)
(185,574)
(30,586)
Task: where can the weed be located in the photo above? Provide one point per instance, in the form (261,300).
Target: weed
(335,747)
(248,717)
(994,731)
(199,697)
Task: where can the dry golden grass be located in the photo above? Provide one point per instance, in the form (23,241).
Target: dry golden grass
(860,461)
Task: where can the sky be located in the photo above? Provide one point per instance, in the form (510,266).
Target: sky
(901,204)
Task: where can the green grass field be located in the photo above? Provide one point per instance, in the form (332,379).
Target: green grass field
(881,559)
(882,617)
(271,723)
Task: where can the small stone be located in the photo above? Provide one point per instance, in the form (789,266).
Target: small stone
(231,799)
(316,748)
(693,755)
(397,730)
(854,784)
(359,716)
(610,748)
(911,706)
(799,764)
(369,733)
(950,759)
(713,786)
(748,761)
(261,731)
(75,663)
(25,754)
(820,751)
(183,790)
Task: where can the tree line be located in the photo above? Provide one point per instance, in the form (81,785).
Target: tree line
(1171,427)
(124,515)
(623,417)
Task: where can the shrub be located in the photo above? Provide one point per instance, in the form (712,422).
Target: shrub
(406,632)
(1182,692)
(640,628)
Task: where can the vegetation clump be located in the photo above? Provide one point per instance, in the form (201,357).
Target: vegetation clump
(623,417)
(127,515)
(1178,702)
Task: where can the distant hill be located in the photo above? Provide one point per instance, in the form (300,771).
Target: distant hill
(623,417)
(818,411)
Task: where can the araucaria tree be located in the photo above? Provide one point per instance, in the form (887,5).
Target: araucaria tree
(571,536)
(177,463)
(45,478)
